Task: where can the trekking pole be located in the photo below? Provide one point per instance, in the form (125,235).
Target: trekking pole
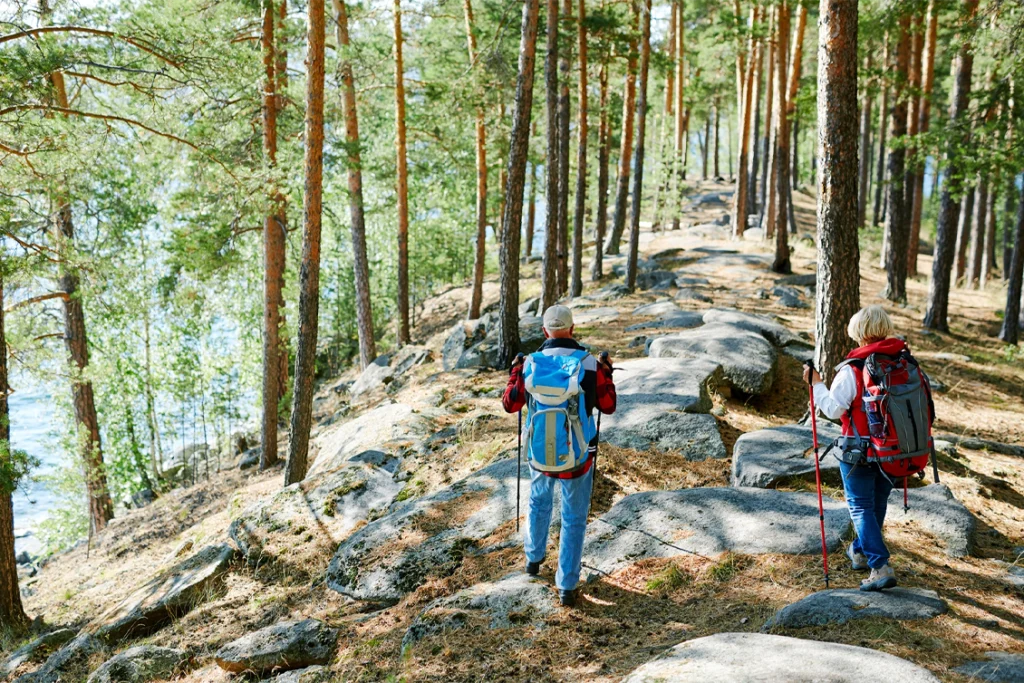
(597,438)
(817,473)
(519,454)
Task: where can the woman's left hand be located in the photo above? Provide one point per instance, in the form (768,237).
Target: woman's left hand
(811,375)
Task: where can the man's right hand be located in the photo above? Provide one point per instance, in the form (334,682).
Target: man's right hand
(518,362)
(605,360)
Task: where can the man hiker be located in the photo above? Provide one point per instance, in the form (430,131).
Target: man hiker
(561,386)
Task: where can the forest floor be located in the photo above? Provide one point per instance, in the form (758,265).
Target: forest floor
(631,617)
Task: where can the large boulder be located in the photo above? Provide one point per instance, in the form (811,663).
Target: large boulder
(285,645)
(767,326)
(167,596)
(761,658)
(427,536)
(708,521)
(68,663)
(642,426)
(311,674)
(34,650)
(678,384)
(390,367)
(936,509)
(764,457)
(748,360)
(672,320)
(302,521)
(517,599)
(139,664)
(390,427)
(839,606)
(474,343)
(591,316)
(998,667)
(658,309)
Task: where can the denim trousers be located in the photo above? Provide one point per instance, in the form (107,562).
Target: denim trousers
(575,507)
(867,496)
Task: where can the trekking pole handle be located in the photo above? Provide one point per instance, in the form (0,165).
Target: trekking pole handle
(809,363)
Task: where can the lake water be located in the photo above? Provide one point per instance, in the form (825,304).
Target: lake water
(32,423)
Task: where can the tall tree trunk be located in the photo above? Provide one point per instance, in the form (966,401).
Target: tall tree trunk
(519,147)
(838,290)
(626,145)
(564,116)
(883,126)
(604,143)
(401,183)
(865,147)
(913,114)
(718,121)
(273,249)
(480,254)
(549,267)
(782,262)
(766,192)
(963,235)
(936,317)
(531,213)
(357,215)
(638,152)
(1009,210)
(663,176)
(739,214)
(977,245)
(989,251)
(12,614)
(706,148)
(309,273)
(896,226)
(101,509)
(1010,332)
(923,117)
(756,145)
(581,160)
(795,72)
(679,35)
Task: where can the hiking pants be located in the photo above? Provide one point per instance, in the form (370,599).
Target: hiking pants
(575,506)
(867,496)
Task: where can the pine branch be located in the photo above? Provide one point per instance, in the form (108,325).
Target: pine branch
(91,31)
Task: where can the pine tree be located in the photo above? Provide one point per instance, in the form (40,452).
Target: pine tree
(638,152)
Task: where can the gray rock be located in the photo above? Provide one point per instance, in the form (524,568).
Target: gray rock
(792,301)
(165,597)
(748,360)
(250,458)
(952,357)
(669,254)
(659,309)
(385,461)
(484,354)
(709,521)
(462,335)
(641,427)
(311,674)
(762,458)
(687,294)
(427,536)
(390,367)
(23,558)
(34,650)
(530,307)
(642,265)
(802,280)
(761,658)
(768,327)
(668,384)
(753,235)
(319,511)
(285,645)
(638,341)
(936,509)
(655,279)
(1000,667)
(839,606)
(517,599)
(390,428)
(139,664)
(682,319)
(140,499)
(616,291)
(724,259)
(595,315)
(708,200)
(690,281)
(67,663)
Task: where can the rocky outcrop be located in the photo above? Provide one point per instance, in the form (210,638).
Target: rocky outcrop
(764,457)
(708,521)
(998,667)
(767,326)
(936,509)
(311,674)
(748,360)
(140,664)
(758,658)
(283,646)
(839,606)
(165,597)
(474,343)
(391,428)
(34,650)
(68,663)
(388,369)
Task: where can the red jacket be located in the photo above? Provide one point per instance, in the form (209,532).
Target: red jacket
(890,347)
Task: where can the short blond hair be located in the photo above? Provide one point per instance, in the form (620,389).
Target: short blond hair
(871,323)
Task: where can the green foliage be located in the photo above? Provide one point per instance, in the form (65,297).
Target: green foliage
(15,466)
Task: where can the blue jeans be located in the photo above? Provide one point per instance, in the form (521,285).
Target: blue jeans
(867,496)
(575,506)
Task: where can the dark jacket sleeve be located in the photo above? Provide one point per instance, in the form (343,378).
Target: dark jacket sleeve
(514,397)
(606,398)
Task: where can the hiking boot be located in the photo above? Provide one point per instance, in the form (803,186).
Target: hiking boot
(859,561)
(533,568)
(879,579)
(567,598)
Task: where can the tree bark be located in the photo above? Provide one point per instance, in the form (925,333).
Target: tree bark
(679,65)
(989,252)
(718,121)
(626,144)
(549,266)
(638,152)
(531,213)
(977,243)
(896,226)
(12,614)
(564,116)
(309,273)
(963,235)
(1009,210)
(936,317)
(480,253)
(1010,332)
(865,154)
(795,72)
(913,112)
(781,124)
(357,215)
(402,183)
(604,142)
(273,250)
(519,146)
(923,118)
(883,114)
(767,184)
(581,160)
(753,197)
(739,214)
(838,290)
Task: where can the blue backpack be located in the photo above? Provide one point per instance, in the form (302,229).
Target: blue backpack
(557,429)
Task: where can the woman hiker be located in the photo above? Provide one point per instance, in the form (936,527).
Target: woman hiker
(575,474)
(867,487)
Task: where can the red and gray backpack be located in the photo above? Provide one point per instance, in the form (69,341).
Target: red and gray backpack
(897,401)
